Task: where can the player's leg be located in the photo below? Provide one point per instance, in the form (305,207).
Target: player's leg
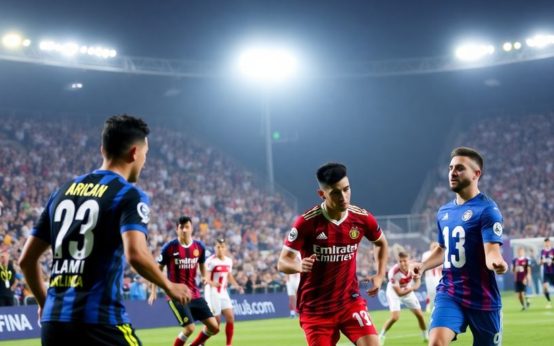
(357,326)
(547,282)
(201,312)
(394,306)
(292,288)
(413,304)
(320,330)
(486,327)
(184,316)
(56,333)
(447,320)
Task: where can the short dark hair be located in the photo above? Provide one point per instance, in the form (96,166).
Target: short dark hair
(221,240)
(120,133)
(546,239)
(471,153)
(330,173)
(183,220)
(402,254)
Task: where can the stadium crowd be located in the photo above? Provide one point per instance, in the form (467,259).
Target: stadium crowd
(186,177)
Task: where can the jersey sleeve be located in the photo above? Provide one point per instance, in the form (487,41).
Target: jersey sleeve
(440,237)
(392,279)
(209,264)
(42,228)
(372,230)
(297,234)
(491,225)
(163,257)
(202,258)
(135,212)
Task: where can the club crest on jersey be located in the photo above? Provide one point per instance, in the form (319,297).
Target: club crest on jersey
(354,233)
(497,228)
(293,234)
(144,212)
(196,253)
(467,215)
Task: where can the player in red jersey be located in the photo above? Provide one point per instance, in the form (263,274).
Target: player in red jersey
(521,267)
(183,256)
(322,246)
(220,273)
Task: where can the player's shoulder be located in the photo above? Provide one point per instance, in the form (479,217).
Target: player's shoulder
(311,213)
(200,243)
(357,210)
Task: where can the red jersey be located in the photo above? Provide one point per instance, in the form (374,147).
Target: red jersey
(182,262)
(332,281)
(521,265)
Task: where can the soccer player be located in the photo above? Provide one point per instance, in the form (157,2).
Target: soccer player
(183,256)
(521,266)
(400,290)
(547,262)
(470,236)
(220,272)
(89,223)
(322,246)
(432,278)
(292,282)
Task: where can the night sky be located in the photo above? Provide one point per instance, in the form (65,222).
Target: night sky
(389,131)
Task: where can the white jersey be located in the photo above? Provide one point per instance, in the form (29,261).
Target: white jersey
(219,269)
(434,273)
(402,279)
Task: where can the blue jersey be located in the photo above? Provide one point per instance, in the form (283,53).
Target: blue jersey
(83,222)
(463,230)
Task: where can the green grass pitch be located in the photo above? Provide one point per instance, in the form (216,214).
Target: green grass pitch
(533,327)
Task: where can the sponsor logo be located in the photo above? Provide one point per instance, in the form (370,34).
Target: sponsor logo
(14,323)
(253,308)
(293,234)
(196,253)
(335,253)
(354,233)
(160,258)
(321,236)
(144,212)
(497,228)
(467,215)
(445,217)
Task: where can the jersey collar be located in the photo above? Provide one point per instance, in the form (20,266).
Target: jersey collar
(326,215)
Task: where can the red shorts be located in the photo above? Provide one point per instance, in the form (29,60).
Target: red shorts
(324,330)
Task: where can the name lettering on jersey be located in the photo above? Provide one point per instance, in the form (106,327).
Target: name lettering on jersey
(467,215)
(68,266)
(335,253)
(354,233)
(186,263)
(67,281)
(87,190)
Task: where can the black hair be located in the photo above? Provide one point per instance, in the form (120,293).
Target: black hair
(471,153)
(221,240)
(120,133)
(402,255)
(546,239)
(331,173)
(183,220)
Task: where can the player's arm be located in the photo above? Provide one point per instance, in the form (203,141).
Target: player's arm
(434,260)
(494,259)
(528,276)
(381,254)
(288,262)
(30,266)
(234,282)
(204,274)
(154,289)
(140,258)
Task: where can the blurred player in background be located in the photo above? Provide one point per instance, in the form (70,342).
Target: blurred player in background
(547,262)
(292,282)
(521,266)
(432,278)
(219,273)
(90,223)
(470,237)
(183,256)
(400,290)
(322,245)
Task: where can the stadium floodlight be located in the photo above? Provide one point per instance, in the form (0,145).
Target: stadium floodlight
(76,86)
(474,51)
(517,45)
(540,41)
(15,41)
(71,49)
(268,65)
(507,46)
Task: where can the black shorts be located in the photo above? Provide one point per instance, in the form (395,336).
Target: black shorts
(548,278)
(196,310)
(520,286)
(84,334)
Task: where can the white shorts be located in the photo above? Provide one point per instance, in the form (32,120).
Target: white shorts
(219,301)
(431,284)
(410,300)
(292,286)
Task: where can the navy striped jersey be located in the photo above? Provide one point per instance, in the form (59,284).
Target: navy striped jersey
(83,222)
(182,262)
(547,257)
(463,230)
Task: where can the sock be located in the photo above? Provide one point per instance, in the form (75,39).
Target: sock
(383,332)
(547,295)
(180,341)
(229,329)
(201,338)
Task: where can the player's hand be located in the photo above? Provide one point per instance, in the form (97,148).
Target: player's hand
(416,270)
(240,290)
(376,281)
(308,263)
(153,296)
(500,268)
(179,292)
(525,281)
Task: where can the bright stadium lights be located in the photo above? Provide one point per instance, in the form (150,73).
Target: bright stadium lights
(76,86)
(517,45)
(507,46)
(14,41)
(71,49)
(540,41)
(268,64)
(474,51)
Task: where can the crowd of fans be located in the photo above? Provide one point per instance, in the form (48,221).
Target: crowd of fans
(186,177)
(518,174)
